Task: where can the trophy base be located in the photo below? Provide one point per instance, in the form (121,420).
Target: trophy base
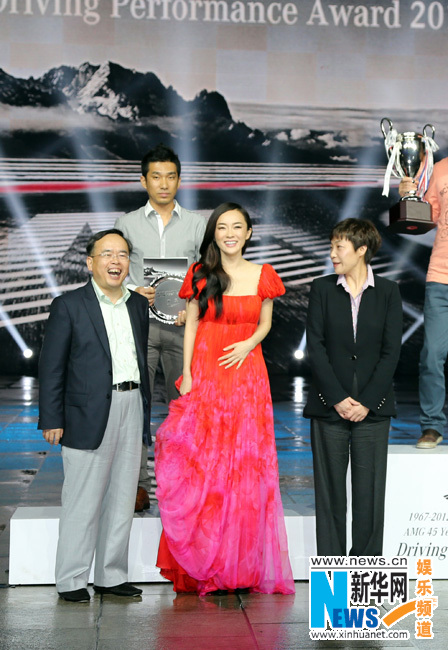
(411,217)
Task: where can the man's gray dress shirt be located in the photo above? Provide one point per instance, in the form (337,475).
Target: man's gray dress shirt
(182,237)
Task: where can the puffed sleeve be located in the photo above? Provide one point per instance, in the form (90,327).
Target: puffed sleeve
(270,285)
(186,290)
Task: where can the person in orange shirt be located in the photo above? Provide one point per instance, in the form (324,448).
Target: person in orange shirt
(435,345)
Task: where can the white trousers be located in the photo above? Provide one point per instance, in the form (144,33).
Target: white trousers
(98,499)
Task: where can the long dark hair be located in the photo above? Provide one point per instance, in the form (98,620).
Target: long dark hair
(210,265)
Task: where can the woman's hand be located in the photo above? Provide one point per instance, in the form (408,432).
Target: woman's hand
(350,409)
(238,352)
(344,408)
(358,413)
(185,386)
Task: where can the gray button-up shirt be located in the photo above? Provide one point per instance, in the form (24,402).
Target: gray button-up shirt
(182,237)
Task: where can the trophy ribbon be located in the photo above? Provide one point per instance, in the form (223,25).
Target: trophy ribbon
(430,148)
(391,142)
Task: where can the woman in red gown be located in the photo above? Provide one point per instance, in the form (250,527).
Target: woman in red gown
(215,456)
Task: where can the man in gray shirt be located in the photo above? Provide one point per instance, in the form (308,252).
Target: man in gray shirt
(161,228)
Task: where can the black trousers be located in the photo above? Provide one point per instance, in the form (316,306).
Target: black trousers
(333,442)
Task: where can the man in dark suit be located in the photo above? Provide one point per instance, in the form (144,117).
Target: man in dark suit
(354,330)
(94,399)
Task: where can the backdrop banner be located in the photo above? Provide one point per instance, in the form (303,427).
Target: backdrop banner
(273,104)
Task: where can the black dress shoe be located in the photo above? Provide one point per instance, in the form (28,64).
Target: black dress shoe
(76,596)
(125,589)
(142,500)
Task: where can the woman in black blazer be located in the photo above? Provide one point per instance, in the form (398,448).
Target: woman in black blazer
(354,329)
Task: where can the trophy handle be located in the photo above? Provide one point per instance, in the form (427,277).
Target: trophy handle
(383,130)
(431,127)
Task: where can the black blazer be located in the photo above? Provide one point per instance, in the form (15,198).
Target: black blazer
(75,367)
(334,355)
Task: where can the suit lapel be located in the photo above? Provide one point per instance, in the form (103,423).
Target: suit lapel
(344,311)
(366,313)
(94,312)
(136,329)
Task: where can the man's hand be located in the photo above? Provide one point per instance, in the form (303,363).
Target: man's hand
(53,436)
(407,185)
(148,292)
(181,318)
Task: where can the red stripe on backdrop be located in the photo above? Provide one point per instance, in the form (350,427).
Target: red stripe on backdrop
(24,188)
(53,187)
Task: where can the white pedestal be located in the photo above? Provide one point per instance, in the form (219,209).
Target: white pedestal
(416,519)
(34,536)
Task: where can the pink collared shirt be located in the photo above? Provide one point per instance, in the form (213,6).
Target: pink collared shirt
(355,302)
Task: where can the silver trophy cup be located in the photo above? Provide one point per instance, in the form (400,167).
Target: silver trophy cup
(409,153)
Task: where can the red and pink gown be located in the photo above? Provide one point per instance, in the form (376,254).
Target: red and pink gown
(216,463)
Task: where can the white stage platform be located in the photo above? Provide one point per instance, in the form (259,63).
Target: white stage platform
(416,519)
(34,535)
(416,525)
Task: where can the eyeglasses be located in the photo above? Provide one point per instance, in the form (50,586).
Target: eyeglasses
(109,255)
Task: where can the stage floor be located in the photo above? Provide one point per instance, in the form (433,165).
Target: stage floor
(33,617)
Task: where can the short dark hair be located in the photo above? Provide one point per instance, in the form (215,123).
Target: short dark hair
(161,153)
(361,232)
(102,233)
